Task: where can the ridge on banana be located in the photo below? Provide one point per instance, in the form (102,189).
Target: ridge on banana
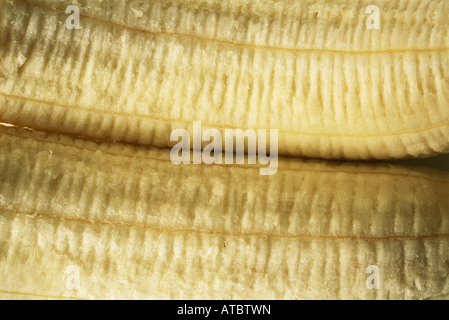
(311,69)
(134,225)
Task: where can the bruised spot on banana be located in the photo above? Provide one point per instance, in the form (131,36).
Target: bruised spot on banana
(311,69)
(82,219)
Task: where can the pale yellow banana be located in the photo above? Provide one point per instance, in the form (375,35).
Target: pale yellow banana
(135,225)
(311,69)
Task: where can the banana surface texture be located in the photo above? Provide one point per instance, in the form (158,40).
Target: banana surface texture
(312,69)
(130,224)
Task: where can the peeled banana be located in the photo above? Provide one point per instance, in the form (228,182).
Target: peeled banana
(122,221)
(136,70)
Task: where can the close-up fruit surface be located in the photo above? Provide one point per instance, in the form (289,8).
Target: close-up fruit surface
(355,95)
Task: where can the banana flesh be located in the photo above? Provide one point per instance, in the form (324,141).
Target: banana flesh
(137,226)
(311,69)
